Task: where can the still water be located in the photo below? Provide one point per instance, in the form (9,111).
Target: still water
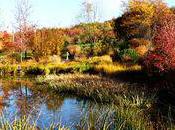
(20,98)
(23,98)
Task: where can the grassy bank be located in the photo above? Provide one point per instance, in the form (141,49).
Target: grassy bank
(84,85)
(96,87)
(95,65)
(129,113)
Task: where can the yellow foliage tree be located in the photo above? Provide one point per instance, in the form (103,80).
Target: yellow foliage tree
(141,16)
(49,42)
(138,24)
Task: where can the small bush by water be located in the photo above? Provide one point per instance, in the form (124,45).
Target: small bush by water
(37,70)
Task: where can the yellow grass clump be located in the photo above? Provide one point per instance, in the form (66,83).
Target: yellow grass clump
(114,68)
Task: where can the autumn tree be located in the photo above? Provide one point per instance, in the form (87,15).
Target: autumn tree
(173,9)
(137,24)
(24,28)
(162,58)
(49,42)
(7,42)
(89,14)
(99,41)
(140,17)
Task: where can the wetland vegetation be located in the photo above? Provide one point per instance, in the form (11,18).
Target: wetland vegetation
(96,75)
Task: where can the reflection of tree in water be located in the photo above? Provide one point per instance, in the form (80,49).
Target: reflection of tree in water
(29,99)
(5,89)
(26,100)
(1,103)
(54,101)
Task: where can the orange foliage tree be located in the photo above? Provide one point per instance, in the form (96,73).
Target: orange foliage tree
(93,38)
(137,24)
(48,42)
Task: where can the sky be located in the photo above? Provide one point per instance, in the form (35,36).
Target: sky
(59,13)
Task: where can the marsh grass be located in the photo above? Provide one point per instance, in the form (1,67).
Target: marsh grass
(111,118)
(122,117)
(131,113)
(84,85)
(115,118)
(131,110)
(20,124)
(24,123)
(96,118)
(98,88)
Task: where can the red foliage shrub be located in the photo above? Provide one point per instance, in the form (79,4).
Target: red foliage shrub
(162,58)
(156,62)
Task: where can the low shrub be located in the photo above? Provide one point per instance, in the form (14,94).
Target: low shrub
(115,68)
(130,54)
(100,59)
(16,56)
(60,68)
(37,70)
(109,68)
(136,42)
(83,67)
(7,69)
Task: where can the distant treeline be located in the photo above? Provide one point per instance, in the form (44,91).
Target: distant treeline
(144,34)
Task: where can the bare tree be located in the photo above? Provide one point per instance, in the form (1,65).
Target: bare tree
(90,11)
(24,28)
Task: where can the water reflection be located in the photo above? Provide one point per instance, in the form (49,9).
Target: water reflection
(20,98)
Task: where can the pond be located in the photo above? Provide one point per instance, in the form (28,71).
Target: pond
(23,98)
(19,98)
